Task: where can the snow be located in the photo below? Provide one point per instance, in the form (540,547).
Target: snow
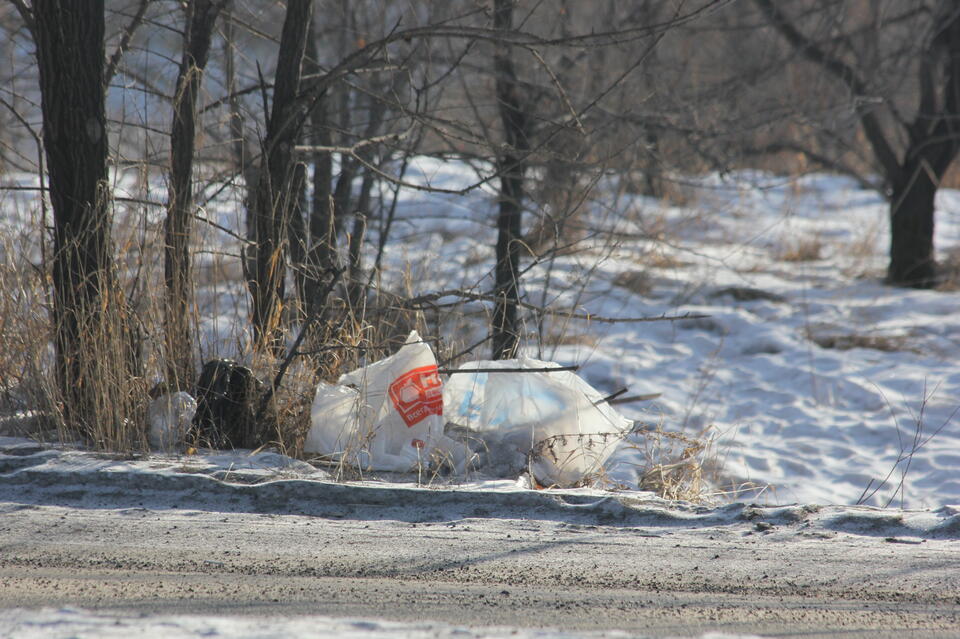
(73,623)
(814,382)
(268,482)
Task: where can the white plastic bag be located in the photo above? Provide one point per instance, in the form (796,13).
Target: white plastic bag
(553,423)
(169,417)
(385,416)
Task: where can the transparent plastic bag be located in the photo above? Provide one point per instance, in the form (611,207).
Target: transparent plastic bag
(169,418)
(553,424)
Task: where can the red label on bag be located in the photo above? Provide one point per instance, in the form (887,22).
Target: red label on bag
(417,394)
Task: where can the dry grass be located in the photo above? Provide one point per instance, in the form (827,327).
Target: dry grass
(638,282)
(659,258)
(860,253)
(26,358)
(801,249)
(877,342)
(675,463)
(949,271)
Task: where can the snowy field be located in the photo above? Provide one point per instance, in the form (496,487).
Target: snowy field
(813,382)
(817,383)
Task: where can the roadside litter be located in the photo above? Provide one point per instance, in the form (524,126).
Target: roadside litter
(385,416)
(553,424)
(499,417)
(169,418)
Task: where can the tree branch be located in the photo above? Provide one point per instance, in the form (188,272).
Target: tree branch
(135,23)
(26,14)
(842,71)
(428,301)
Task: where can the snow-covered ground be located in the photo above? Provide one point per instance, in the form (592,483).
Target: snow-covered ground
(817,383)
(814,382)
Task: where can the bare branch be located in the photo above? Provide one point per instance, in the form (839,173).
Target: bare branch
(843,72)
(353,150)
(825,161)
(560,91)
(429,301)
(128,32)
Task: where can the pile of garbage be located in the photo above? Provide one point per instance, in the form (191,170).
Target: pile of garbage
(502,418)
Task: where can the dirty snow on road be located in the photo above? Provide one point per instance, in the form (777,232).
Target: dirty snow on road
(71,623)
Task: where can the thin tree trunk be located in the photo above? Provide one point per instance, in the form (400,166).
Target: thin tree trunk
(201,16)
(298,237)
(274,198)
(319,254)
(512,167)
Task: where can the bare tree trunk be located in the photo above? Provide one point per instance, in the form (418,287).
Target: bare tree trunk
(201,16)
(241,149)
(298,238)
(511,165)
(274,198)
(934,135)
(94,354)
(934,143)
(911,231)
(318,257)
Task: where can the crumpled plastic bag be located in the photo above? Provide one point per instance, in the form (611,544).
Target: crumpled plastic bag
(553,424)
(386,416)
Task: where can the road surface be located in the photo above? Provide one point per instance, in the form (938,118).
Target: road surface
(736,575)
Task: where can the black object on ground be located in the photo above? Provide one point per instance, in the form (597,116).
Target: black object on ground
(226,395)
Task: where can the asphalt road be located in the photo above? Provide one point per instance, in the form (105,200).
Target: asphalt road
(661,580)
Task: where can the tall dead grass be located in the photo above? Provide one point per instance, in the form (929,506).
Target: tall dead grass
(26,359)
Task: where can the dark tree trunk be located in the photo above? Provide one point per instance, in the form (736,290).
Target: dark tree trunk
(275,198)
(361,215)
(934,135)
(934,143)
(300,227)
(511,165)
(87,305)
(241,149)
(297,236)
(201,16)
(319,256)
(911,230)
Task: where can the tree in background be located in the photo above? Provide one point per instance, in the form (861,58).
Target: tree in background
(899,67)
(201,15)
(276,195)
(512,164)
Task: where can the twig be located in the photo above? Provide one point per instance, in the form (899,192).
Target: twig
(611,396)
(352,150)
(128,32)
(542,369)
(423,301)
(26,14)
(635,398)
